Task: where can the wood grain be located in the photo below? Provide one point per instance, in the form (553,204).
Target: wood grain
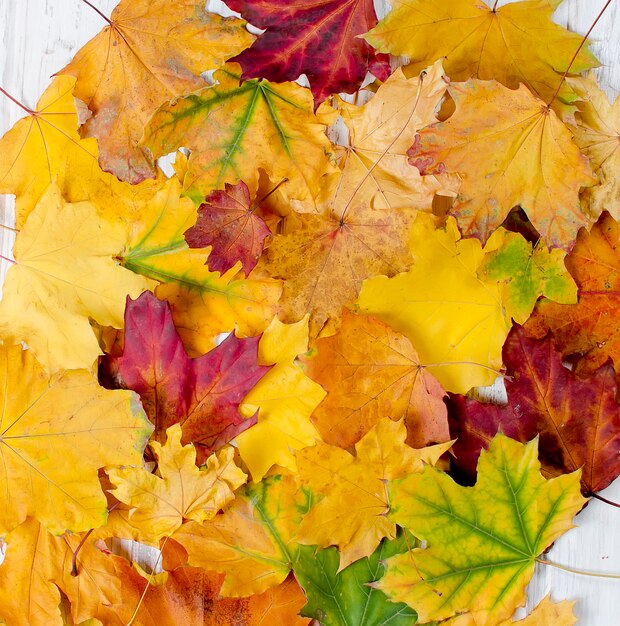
(40,36)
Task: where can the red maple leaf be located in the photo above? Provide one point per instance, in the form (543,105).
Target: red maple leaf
(578,419)
(227,222)
(318,38)
(202,394)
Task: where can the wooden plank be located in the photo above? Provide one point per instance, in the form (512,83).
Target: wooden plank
(40,36)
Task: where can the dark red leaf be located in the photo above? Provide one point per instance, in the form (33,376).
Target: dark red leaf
(227,222)
(578,419)
(201,394)
(317,38)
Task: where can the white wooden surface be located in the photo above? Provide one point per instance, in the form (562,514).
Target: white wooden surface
(38,37)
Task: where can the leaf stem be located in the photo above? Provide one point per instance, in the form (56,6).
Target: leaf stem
(583,41)
(94,8)
(605,500)
(579,572)
(14,230)
(494,6)
(17,102)
(74,568)
(259,202)
(6,258)
(148,583)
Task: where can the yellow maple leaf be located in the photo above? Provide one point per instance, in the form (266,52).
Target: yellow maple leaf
(56,434)
(545,613)
(373,165)
(38,566)
(510,149)
(158,505)
(252,542)
(150,51)
(284,398)
(352,510)
(65,272)
(597,133)
(514,43)
(455,321)
(46,147)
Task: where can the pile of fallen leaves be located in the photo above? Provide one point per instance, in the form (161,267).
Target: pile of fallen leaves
(260,364)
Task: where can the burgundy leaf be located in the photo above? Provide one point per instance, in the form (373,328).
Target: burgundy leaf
(201,394)
(317,38)
(578,419)
(227,222)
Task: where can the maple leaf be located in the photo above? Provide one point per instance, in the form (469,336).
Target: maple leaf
(455,321)
(256,125)
(371,372)
(319,38)
(597,133)
(510,150)
(64,273)
(204,304)
(525,273)
(202,394)
(227,222)
(252,542)
(578,421)
(546,612)
(515,43)
(589,329)
(38,566)
(284,398)
(158,505)
(90,427)
(345,598)
(150,51)
(189,595)
(483,540)
(351,513)
(46,147)
(323,259)
(374,168)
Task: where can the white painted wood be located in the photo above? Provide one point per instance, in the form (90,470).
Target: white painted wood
(38,37)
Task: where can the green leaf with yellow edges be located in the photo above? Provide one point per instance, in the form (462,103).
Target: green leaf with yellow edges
(234,129)
(483,541)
